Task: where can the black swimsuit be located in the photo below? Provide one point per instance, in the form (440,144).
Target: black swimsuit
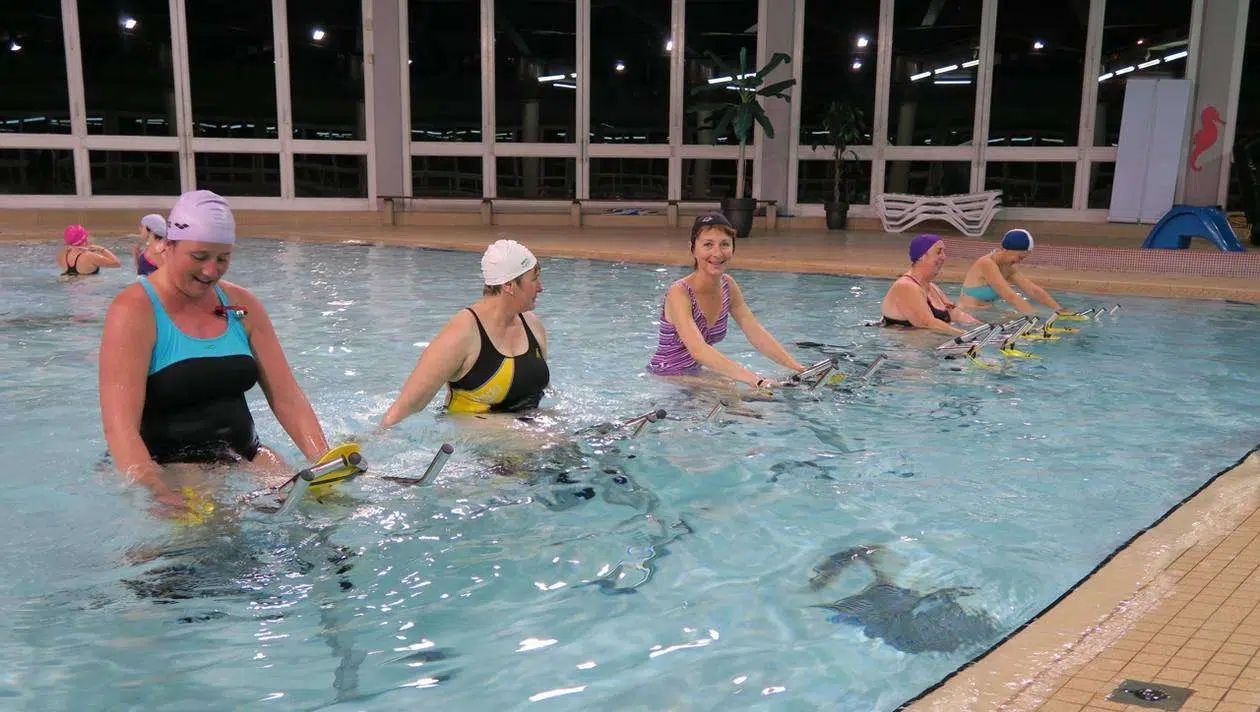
(942,314)
(498,383)
(72,269)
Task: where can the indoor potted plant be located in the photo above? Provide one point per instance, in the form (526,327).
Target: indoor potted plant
(736,108)
(841,127)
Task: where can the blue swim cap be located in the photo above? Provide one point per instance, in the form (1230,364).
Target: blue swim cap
(1017,239)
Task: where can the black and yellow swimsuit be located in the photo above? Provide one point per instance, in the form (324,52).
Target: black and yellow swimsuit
(498,383)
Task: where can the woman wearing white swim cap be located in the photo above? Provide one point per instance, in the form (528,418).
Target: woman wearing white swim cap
(180,349)
(492,356)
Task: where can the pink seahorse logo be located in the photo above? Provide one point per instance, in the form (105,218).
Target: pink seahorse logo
(1206,136)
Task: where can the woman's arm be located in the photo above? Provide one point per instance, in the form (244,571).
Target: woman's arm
(441,362)
(102,257)
(913,305)
(1033,289)
(756,333)
(126,346)
(955,314)
(678,311)
(995,279)
(284,395)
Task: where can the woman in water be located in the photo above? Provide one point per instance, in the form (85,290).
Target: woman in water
(914,300)
(991,276)
(491,356)
(180,349)
(696,308)
(80,257)
(147,253)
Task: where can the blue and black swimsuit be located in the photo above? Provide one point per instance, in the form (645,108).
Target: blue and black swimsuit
(194,401)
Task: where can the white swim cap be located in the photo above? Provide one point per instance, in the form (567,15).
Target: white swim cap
(506,260)
(201,216)
(156,224)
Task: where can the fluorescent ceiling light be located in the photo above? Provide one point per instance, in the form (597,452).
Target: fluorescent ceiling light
(1176,55)
(1106,76)
(551,78)
(1125,70)
(317,34)
(920,75)
(970,63)
(951,81)
(942,70)
(1147,65)
(862,41)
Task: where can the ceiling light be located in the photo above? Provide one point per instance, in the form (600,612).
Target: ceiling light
(317,34)
(857,64)
(669,45)
(920,75)
(129,23)
(1038,44)
(970,63)
(942,70)
(620,66)
(15,47)
(1125,70)
(862,41)
(1149,64)
(1176,55)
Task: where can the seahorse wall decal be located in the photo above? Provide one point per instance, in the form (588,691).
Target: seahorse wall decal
(1206,136)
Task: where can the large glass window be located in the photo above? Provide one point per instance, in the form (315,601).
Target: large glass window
(541,178)
(535,59)
(324,176)
(36,171)
(629,178)
(1140,39)
(444,51)
(326,69)
(446,177)
(231,62)
(839,62)
(252,174)
(933,86)
(134,172)
(128,76)
(33,94)
(1038,65)
(1101,177)
(1032,184)
(722,28)
(630,52)
(709,179)
(816,182)
(928,177)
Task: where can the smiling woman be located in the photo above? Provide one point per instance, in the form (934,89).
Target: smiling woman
(179,351)
(696,309)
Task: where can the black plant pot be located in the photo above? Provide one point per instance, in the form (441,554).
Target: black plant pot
(837,215)
(740,212)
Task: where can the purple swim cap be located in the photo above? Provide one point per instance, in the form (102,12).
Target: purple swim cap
(921,244)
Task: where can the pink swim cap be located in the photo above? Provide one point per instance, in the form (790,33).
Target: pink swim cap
(76,235)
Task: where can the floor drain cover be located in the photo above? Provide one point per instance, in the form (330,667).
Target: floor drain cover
(1150,694)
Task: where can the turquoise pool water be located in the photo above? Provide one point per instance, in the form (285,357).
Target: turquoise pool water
(468,593)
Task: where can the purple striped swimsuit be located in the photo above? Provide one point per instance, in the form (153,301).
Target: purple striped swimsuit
(671,357)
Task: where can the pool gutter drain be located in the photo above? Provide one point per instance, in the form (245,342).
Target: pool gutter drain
(1150,694)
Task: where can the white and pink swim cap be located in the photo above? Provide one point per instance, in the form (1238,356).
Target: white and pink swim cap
(201,216)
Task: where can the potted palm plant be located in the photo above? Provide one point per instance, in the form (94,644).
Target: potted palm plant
(737,106)
(842,126)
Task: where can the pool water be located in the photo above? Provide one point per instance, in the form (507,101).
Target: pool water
(668,571)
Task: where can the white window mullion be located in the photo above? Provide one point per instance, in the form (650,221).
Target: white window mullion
(1089,101)
(489,169)
(883,86)
(404,88)
(984,92)
(794,108)
(284,96)
(677,85)
(369,95)
(757,139)
(583,110)
(183,95)
(78,108)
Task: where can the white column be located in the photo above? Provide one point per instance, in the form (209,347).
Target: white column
(386,83)
(1089,103)
(984,92)
(78,108)
(284,97)
(774,158)
(183,95)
